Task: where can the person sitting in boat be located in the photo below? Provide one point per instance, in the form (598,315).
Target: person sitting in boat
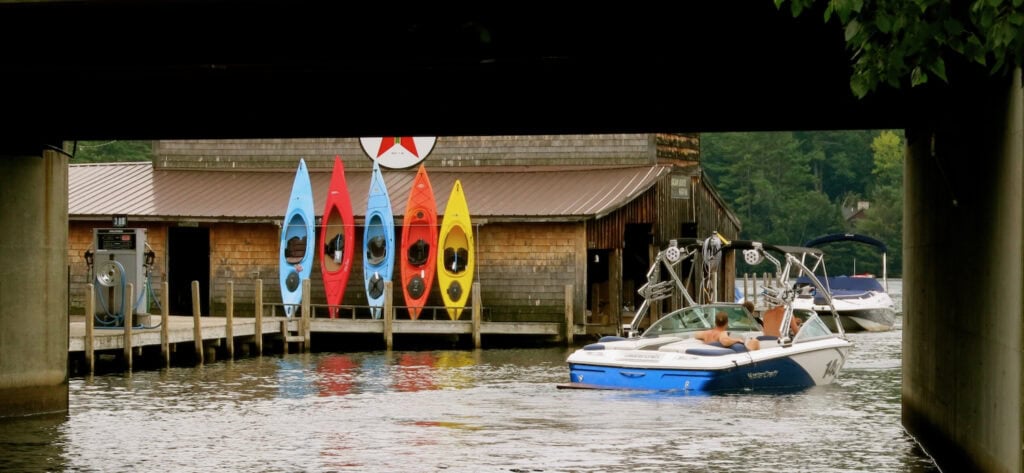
(772,322)
(720,334)
(753,312)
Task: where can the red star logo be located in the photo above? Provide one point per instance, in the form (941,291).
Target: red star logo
(403,141)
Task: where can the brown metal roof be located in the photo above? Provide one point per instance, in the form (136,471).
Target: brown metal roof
(497,193)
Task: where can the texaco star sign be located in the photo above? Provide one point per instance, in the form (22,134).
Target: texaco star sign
(398,152)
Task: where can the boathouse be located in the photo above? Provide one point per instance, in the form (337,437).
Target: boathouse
(554,216)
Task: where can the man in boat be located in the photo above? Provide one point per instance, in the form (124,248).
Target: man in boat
(772,322)
(720,334)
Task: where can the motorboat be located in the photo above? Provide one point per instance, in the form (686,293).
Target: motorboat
(669,356)
(862,301)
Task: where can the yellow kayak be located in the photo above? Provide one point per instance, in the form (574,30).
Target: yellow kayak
(456,261)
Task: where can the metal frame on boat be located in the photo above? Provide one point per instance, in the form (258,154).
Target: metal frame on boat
(667,356)
(863,304)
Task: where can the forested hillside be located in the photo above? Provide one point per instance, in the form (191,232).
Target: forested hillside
(111,151)
(789,187)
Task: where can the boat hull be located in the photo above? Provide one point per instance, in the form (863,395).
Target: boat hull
(337,239)
(418,254)
(863,320)
(870,312)
(456,264)
(378,243)
(297,238)
(779,368)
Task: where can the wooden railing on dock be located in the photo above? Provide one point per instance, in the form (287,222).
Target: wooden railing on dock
(223,331)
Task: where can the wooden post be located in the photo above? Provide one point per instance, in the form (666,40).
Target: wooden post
(197,325)
(307,313)
(130,294)
(165,319)
(284,335)
(569,294)
(477,314)
(258,334)
(388,336)
(90,316)
(229,329)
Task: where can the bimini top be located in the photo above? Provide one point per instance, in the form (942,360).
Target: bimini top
(846,237)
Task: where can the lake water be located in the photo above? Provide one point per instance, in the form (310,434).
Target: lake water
(490,410)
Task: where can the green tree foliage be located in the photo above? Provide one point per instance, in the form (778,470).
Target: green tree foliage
(885,219)
(766,180)
(840,160)
(899,42)
(111,151)
(775,183)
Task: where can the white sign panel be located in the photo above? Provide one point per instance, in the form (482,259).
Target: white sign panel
(398,152)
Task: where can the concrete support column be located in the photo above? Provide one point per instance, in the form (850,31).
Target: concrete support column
(963,279)
(34,288)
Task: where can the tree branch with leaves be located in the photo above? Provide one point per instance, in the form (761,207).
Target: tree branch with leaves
(895,42)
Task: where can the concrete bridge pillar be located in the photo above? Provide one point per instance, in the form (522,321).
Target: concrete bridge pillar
(34,285)
(963,280)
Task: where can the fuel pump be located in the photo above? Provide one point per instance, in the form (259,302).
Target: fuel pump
(121,256)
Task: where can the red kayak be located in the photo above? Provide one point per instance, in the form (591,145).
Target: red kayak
(419,244)
(337,238)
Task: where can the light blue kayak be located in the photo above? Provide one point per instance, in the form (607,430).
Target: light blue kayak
(297,239)
(378,242)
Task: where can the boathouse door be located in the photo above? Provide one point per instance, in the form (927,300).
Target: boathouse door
(188,259)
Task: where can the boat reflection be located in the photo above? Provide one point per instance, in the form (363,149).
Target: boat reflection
(335,374)
(415,371)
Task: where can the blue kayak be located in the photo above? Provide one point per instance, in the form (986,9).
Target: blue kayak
(378,242)
(297,239)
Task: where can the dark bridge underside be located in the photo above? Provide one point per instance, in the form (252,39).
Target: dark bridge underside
(223,69)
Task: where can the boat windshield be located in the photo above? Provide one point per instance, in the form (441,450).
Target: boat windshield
(701,317)
(813,327)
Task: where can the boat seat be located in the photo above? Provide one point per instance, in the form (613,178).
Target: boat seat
(295,251)
(716,349)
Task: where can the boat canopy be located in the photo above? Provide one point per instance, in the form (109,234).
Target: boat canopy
(846,237)
(840,285)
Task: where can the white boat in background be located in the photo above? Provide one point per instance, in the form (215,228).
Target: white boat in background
(667,356)
(862,301)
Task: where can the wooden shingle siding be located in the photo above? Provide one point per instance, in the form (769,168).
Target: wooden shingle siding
(523,269)
(449,151)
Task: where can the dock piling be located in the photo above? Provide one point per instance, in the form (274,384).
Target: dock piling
(128,315)
(258,334)
(90,317)
(569,296)
(229,329)
(197,325)
(165,321)
(477,314)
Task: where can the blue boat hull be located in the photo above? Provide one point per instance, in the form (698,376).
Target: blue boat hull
(298,237)
(378,243)
(780,373)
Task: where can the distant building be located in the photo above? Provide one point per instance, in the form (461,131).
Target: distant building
(855,212)
(549,211)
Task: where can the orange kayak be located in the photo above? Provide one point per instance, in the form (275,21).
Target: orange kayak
(419,244)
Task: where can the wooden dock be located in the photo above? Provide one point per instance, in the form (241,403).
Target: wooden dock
(171,332)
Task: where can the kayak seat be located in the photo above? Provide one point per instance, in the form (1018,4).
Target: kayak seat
(295,250)
(418,253)
(455,260)
(376,251)
(335,245)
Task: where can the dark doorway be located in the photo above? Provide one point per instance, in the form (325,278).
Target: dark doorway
(636,261)
(598,297)
(188,259)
